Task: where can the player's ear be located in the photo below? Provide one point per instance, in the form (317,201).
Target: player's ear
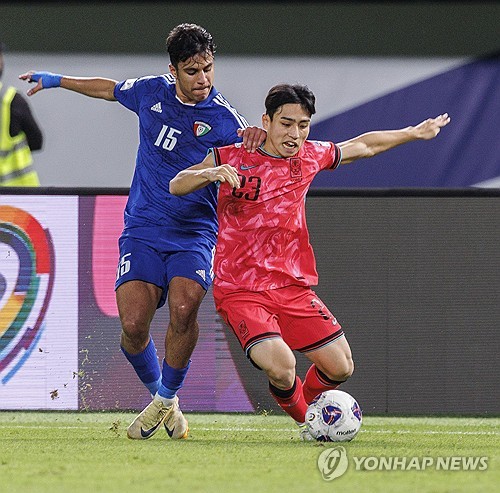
(172,70)
(266,121)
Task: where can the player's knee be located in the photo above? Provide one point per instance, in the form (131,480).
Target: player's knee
(135,335)
(277,360)
(282,374)
(341,370)
(347,366)
(346,369)
(183,314)
(183,306)
(282,377)
(134,327)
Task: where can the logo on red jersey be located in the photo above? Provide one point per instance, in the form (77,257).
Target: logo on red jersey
(245,167)
(295,169)
(201,128)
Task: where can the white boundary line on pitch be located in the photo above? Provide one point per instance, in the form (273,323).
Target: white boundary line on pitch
(431,432)
(389,432)
(385,432)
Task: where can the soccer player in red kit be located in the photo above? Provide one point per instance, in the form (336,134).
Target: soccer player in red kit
(264,264)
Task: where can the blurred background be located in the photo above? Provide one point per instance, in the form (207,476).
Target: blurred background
(372,65)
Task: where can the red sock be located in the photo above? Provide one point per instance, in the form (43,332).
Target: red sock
(316,382)
(291,400)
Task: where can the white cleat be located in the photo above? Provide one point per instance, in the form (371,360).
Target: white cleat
(305,436)
(152,417)
(175,423)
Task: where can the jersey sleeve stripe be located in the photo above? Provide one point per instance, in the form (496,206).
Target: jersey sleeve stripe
(216,155)
(221,101)
(338,157)
(169,78)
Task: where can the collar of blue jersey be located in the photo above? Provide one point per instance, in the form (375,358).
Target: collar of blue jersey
(201,104)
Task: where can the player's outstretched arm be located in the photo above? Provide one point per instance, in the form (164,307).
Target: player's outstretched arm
(373,143)
(201,175)
(95,87)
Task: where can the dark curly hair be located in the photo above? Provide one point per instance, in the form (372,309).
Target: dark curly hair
(188,40)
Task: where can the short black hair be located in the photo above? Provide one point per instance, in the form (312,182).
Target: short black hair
(289,94)
(187,40)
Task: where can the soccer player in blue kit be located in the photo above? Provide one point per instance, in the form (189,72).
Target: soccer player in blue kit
(167,245)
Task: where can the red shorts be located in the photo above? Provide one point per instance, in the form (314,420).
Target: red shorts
(294,313)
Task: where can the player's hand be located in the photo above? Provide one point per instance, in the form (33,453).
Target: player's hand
(253,137)
(44,80)
(224,173)
(429,128)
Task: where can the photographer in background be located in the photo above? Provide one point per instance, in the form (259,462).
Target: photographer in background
(19,136)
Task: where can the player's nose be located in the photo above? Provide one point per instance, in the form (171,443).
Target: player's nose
(202,78)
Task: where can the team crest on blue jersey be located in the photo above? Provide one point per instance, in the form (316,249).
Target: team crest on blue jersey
(201,129)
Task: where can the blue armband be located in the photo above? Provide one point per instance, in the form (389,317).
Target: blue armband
(48,79)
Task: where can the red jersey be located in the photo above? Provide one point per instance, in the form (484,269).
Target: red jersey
(263,241)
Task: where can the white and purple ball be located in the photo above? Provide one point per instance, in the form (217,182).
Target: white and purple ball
(334,416)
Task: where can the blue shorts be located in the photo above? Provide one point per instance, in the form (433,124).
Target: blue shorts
(153,262)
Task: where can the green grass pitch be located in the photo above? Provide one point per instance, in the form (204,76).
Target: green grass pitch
(89,452)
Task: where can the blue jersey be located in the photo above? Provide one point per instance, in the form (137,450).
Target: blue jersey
(174,136)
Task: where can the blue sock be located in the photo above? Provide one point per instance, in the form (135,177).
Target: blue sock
(146,366)
(171,380)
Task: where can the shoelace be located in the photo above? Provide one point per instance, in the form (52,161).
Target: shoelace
(160,412)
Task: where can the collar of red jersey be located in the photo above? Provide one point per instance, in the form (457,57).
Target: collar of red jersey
(263,151)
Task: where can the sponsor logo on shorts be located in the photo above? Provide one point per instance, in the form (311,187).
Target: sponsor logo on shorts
(242,327)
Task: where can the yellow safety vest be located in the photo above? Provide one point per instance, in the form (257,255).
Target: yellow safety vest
(16,164)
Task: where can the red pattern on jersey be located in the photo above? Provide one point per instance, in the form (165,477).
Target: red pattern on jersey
(263,240)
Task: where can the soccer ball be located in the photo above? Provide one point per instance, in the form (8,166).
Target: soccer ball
(334,416)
